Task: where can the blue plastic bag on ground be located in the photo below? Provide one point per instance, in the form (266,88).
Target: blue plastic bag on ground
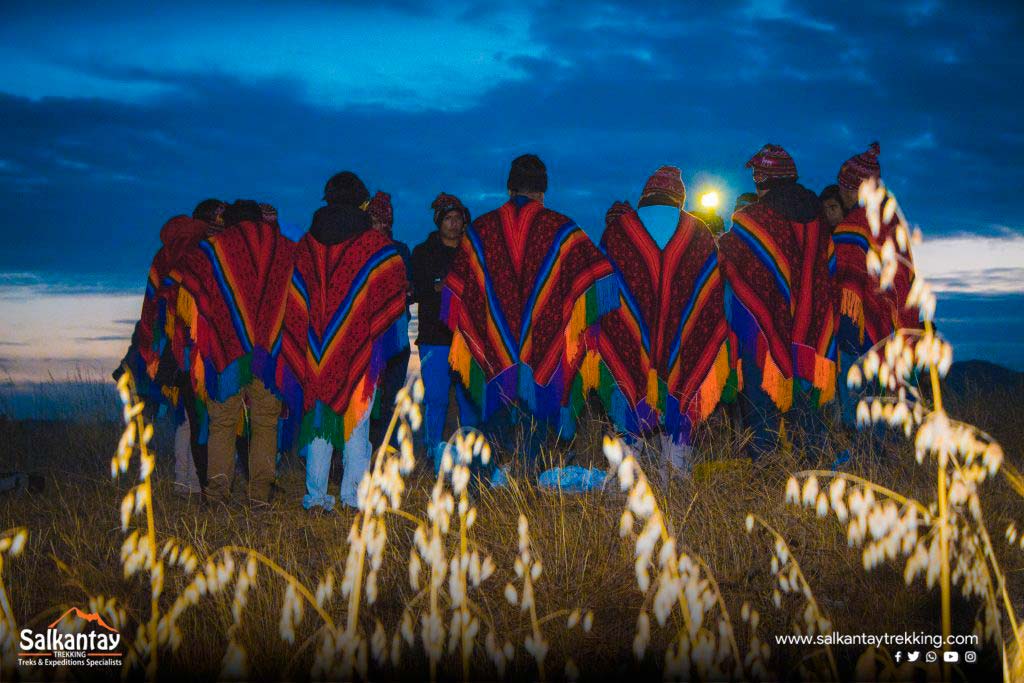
(572,479)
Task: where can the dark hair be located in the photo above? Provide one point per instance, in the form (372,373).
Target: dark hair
(346,188)
(243,211)
(207,210)
(775,183)
(528,174)
(831,192)
(745,199)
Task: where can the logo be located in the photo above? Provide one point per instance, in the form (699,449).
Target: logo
(913,656)
(76,638)
(930,656)
(898,656)
(970,656)
(951,656)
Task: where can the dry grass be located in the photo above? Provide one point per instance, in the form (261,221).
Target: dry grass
(75,536)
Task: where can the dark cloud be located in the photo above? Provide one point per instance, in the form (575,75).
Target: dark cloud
(609,93)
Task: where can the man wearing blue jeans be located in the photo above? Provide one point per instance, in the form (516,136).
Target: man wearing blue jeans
(429,264)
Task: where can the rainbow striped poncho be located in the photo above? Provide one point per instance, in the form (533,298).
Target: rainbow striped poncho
(525,287)
(345,318)
(231,293)
(663,356)
(156,324)
(875,313)
(778,273)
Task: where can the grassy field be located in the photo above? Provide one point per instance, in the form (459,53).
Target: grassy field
(75,536)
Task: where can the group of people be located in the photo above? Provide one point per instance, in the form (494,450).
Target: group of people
(245,333)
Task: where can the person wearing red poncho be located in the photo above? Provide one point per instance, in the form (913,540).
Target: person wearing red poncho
(382,219)
(662,357)
(777,260)
(158,377)
(231,295)
(867,313)
(344,321)
(523,290)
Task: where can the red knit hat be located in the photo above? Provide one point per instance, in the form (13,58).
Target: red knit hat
(664,188)
(446,203)
(772,163)
(859,168)
(380,209)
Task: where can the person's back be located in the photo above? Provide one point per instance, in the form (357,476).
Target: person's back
(525,286)
(777,260)
(344,322)
(238,281)
(232,293)
(665,347)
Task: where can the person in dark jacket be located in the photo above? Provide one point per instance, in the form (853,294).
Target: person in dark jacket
(429,265)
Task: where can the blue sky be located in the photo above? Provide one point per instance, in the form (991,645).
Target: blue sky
(114,119)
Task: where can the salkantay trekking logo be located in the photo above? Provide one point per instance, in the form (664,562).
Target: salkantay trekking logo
(88,642)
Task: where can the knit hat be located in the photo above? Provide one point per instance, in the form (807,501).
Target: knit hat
(380,209)
(528,174)
(859,168)
(664,188)
(772,163)
(445,204)
(346,188)
(269,213)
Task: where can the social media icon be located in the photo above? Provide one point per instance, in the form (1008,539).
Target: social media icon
(898,655)
(913,656)
(930,656)
(951,656)
(970,656)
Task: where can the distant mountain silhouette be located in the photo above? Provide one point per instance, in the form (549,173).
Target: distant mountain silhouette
(92,618)
(981,374)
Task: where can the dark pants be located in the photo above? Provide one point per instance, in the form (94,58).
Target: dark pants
(392,381)
(804,422)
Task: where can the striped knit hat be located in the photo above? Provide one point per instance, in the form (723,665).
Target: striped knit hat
(859,168)
(444,204)
(772,163)
(664,188)
(380,209)
(269,213)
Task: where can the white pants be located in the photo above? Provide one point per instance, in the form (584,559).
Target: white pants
(356,462)
(675,456)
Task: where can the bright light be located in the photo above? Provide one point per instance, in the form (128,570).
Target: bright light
(709,200)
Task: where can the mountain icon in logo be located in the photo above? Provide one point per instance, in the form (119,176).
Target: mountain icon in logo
(93,618)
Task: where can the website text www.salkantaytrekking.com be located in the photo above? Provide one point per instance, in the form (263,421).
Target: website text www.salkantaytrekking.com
(913,645)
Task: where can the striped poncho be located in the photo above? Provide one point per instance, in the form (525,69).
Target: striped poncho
(231,295)
(663,356)
(875,313)
(778,273)
(345,318)
(525,286)
(156,322)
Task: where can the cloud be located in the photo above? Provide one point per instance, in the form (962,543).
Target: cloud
(925,140)
(973,264)
(387,56)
